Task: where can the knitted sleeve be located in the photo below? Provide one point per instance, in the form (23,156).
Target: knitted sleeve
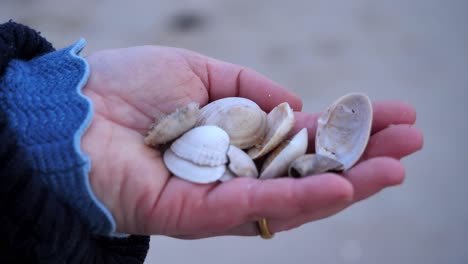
(48,211)
(45,108)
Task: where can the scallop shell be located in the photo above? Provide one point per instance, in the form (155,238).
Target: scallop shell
(240,164)
(241,118)
(311,164)
(192,172)
(278,161)
(173,125)
(279,122)
(344,129)
(204,145)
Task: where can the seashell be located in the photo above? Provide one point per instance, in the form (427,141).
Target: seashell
(240,164)
(311,164)
(200,155)
(278,161)
(192,172)
(344,129)
(280,121)
(173,125)
(227,176)
(204,145)
(241,118)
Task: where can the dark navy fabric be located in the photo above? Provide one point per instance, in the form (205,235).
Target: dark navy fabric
(20,42)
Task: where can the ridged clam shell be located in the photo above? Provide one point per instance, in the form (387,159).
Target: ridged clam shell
(192,172)
(203,145)
(173,125)
(344,129)
(278,161)
(279,122)
(241,118)
(311,164)
(240,164)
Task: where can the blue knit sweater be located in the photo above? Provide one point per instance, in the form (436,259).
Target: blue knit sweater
(49,212)
(45,109)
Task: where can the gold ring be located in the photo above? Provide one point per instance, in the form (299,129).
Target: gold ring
(262,225)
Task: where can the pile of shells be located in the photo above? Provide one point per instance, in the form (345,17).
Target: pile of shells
(233,137)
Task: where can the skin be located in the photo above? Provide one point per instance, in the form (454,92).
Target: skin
(130,87)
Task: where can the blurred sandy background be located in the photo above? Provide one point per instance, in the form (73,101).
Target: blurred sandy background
(415,51)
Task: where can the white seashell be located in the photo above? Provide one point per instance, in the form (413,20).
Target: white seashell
(173,125)
(344,129)
(241,118)
(279,122)
(227,176)
(240,164)
(192,172)
(277,163)
(204,145)
(311,164)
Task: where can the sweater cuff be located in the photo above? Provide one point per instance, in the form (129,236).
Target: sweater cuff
(45,107)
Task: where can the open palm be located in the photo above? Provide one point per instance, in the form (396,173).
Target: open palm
(130,87)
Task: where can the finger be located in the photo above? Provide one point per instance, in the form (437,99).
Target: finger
(392,112)
(395,141)
(278,225)
(326,195)
(239,203)
(224,79)
(287,198)
(373,175)
(367,178)
(384,114)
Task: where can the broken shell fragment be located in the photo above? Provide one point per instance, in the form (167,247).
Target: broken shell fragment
(344,129)
(240,164)
(279,122)
(204,145)
(173,125)
(241,118)
(311,164)
(278,161)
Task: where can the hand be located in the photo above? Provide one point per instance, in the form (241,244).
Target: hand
(129,87)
